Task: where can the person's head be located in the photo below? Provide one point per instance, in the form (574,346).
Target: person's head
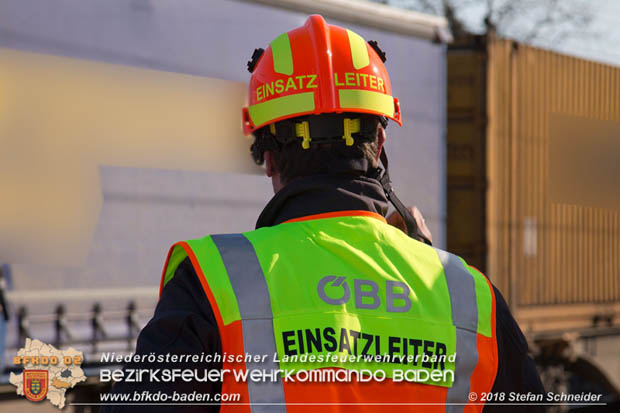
(319,99)
(286,159)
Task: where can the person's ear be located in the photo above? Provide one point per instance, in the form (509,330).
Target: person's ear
(380,141)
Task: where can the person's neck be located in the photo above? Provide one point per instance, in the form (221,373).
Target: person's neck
(319,194)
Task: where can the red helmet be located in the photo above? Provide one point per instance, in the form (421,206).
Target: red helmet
(315,69)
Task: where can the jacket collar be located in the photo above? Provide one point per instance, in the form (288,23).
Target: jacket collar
(320,194)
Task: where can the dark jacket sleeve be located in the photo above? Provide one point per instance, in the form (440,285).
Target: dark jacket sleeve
(516,371)
(183,323)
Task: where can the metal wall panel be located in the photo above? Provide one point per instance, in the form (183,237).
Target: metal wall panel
(546,249)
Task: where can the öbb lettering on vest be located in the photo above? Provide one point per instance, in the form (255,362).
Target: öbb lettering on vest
(366,293)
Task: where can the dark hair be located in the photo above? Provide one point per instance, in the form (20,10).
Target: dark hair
(293,161)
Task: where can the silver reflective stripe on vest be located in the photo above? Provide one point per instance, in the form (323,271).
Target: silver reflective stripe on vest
(465,318)
(248,283)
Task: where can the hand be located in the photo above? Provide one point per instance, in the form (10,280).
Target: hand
(396,220)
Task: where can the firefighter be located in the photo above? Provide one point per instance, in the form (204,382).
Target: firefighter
(324,285)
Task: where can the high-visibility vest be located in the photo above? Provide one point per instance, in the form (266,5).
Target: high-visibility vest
(330,295)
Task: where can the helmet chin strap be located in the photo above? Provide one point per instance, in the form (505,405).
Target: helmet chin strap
(412,227)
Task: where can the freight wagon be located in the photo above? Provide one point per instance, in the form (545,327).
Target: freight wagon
(533,175)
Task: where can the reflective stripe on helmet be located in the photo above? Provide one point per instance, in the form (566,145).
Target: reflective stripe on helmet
(273,109)
(366,100)
(359,50)
(282,54)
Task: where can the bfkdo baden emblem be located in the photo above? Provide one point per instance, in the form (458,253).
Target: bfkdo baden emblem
(35,384)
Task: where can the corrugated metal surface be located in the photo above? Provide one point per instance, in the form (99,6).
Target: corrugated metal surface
(547,249)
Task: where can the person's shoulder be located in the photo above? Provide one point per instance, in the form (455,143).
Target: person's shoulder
(183,285)
(507,324)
